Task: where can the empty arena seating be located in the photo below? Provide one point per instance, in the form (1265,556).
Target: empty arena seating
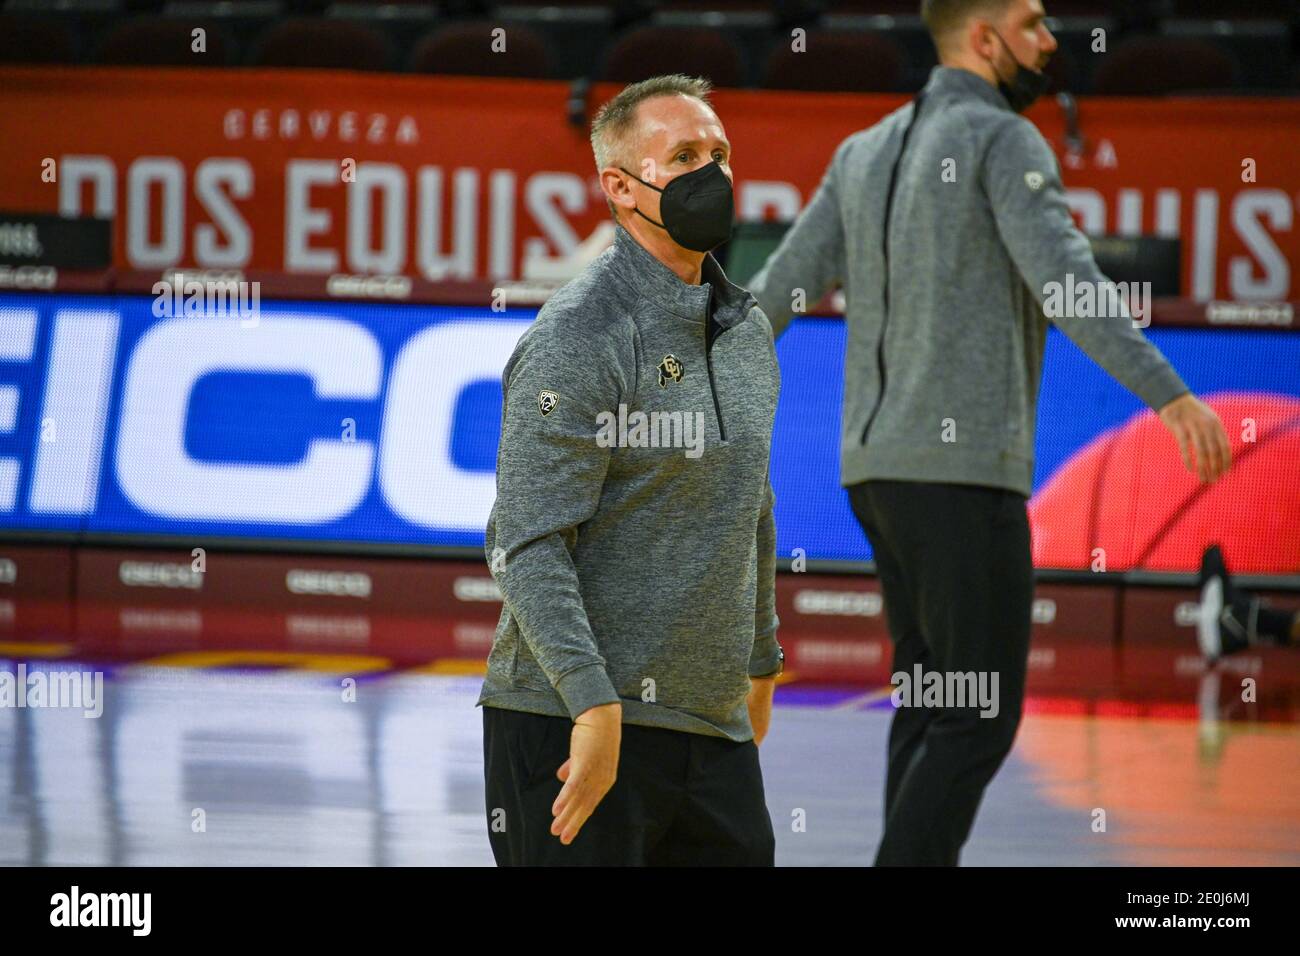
(1152,47)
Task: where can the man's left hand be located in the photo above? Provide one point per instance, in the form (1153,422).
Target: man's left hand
(1201,439)
(760,705)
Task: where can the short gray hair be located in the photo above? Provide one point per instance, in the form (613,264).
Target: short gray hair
(615,120)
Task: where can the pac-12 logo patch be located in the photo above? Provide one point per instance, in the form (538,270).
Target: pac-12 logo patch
(547,400)
(1034,180)
(670,368)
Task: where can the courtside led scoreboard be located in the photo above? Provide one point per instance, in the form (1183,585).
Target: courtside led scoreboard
(378,425)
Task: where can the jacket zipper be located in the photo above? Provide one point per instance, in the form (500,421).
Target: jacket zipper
(717,409)
(884,249)
(708,362)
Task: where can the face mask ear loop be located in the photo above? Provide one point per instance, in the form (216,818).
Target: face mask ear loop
(648,186)
(993,63)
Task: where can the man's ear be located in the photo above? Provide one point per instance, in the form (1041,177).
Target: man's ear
(980,39)
(615,186)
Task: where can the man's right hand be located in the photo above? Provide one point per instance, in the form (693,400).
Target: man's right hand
(591,769)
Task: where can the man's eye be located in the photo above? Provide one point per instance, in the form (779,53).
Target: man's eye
(683,157)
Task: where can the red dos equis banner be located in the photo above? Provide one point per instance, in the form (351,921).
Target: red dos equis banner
(439,178)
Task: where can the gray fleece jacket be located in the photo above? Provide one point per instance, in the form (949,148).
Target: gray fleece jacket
(632,535)
(945,326)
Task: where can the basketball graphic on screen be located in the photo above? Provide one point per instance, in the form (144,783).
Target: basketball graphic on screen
(1128,493)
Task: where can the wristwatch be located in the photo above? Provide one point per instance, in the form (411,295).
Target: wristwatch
(780,664)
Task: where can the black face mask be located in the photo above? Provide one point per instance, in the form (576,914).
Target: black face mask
(697,207)
(1025,87)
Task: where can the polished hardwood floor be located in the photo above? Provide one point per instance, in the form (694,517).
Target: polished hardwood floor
(193,763)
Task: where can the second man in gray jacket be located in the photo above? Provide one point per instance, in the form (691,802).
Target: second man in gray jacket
(946,224)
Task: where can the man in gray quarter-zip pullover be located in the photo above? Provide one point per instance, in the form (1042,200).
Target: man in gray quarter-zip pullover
(946,224)
(632,671)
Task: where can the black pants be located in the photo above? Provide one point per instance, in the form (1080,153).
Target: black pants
(955,567)
(680,799)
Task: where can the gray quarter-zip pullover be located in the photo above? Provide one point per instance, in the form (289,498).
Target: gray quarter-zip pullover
(632,535)
(945,326)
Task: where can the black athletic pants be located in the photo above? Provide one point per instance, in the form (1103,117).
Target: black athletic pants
(681,799)
(955,567)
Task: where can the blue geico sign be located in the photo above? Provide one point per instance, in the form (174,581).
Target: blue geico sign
(379,424)
(314,421)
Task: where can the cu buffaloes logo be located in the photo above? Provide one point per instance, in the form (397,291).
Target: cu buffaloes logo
(547,400)
(670,368)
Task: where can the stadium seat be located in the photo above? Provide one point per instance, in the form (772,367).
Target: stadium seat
(576,35)
(35,40)
(507,9)
(749,28)
(904,29)
(1056,8)
(1262,48)
(837,60)
(402,24)
(651,51)
(325,44)
(164,41)
(465,49)
(761,6)
(874,7)
(243,20)
(1084,8)
(1159,65)
(1219,10)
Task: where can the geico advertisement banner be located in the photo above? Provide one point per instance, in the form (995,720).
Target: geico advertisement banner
(325,173)
(379,424)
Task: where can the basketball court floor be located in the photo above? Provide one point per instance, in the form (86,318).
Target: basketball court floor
(331,760)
